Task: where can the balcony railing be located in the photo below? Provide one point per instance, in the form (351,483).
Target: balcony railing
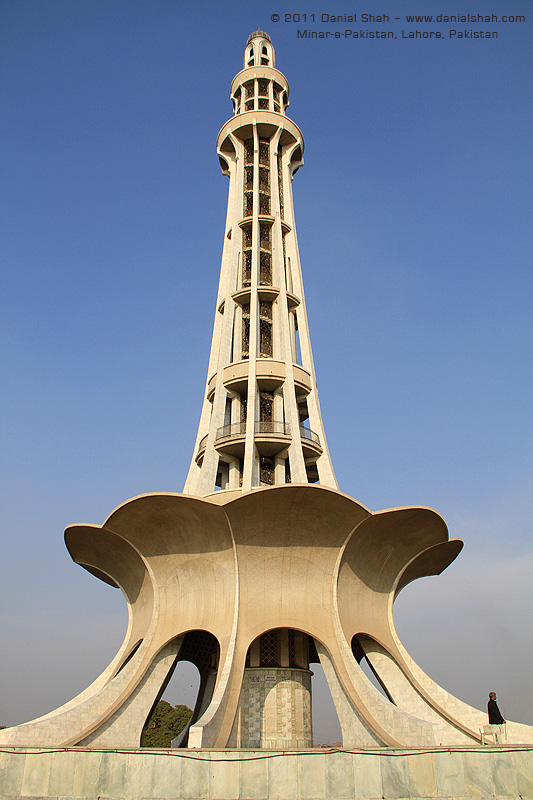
(309,435)
(270,426)
(202,444)
(236,429)
(261,427)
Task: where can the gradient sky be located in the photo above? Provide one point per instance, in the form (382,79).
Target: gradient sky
(414,225)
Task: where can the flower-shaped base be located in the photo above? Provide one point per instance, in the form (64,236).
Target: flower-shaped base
(205,577)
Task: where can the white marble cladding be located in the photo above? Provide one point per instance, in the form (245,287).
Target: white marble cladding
(275,709)
(499,773)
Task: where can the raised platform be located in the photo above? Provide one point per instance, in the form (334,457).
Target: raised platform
(318,774)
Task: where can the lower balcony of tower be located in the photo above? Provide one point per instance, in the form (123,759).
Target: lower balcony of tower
(270,439)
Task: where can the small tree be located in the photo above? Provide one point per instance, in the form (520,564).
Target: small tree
(164,724)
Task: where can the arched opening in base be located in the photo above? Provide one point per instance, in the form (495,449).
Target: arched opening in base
(369,668)
(190,682)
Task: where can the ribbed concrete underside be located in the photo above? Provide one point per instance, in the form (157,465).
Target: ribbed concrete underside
(480,772)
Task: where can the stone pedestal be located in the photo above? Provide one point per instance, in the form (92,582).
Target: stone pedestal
(450,773)
(275,709)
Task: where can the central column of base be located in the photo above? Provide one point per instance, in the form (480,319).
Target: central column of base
(275,709)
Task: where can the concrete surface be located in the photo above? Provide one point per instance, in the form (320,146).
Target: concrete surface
(498,773)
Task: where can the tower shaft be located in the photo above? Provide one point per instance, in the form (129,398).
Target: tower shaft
(260,423)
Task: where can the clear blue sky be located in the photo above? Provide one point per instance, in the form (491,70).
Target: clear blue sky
(414,224)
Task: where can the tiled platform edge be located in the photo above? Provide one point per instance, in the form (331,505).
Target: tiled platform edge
(76,773)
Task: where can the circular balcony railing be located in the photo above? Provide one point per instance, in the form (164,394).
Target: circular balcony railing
(202,444)
(201,450)
(309,435)
(261,427)
(227,431)
(270,426)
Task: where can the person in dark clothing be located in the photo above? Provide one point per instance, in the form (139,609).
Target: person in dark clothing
(495,718)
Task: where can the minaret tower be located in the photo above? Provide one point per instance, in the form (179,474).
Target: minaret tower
(261,423)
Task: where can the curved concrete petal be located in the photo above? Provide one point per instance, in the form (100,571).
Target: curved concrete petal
(432,561)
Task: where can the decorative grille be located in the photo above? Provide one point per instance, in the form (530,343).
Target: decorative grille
(266,406)
(248,204)
(200,648)
(249,152)
(264,152)
(249,178)
(265,338)
(264,236)
(264,203)
(268,649)
(245,338)
(263,103)
(292,648)
(280,184)
(249,89)
(247,268)
(249,105)
(266,471)
(245,331)
(264,180)
(263,87)
(265,309)
(265,268)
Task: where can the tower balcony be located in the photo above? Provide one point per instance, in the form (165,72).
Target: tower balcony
(266,72)
(270,293)
(270,375)
(230,439)
(270,438)
(310,442)
(267,122)
(244,221)
(201,450)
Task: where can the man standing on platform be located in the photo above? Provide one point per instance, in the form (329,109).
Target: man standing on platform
(495,717)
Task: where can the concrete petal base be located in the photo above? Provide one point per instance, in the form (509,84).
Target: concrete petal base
(204,577)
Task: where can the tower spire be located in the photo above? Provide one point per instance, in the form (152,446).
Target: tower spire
(260,422)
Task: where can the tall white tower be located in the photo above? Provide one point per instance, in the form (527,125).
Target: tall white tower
(261,423)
